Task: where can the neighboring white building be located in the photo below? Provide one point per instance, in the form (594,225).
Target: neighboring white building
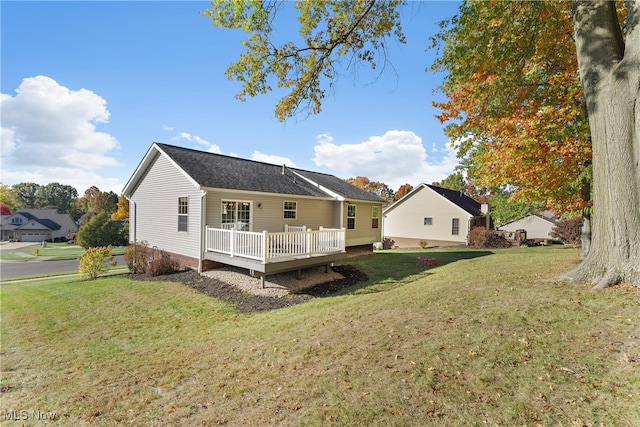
(537,226)
(437,216)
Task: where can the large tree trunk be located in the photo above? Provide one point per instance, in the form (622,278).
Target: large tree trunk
(610,72)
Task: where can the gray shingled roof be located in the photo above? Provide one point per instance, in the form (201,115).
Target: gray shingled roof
(218,171)
(459,198)
(340,186)
(48,223)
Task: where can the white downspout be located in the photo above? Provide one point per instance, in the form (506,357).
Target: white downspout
(203,216)
(132,215)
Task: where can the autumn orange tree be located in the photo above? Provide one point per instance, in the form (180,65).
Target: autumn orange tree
(543,145)
(515,101)
(375,187)
(122,213)
(403,190)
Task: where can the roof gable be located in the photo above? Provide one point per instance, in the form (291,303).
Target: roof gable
(458,198)
(47,223)
(211,170)
(532,217)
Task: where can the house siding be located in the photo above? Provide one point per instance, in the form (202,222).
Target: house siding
(154,216)
(536,227)
(406,221)
(267,211)
(363,234)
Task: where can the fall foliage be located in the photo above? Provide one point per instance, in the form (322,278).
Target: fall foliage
(514,99)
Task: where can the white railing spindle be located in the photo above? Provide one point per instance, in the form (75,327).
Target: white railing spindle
(267,246)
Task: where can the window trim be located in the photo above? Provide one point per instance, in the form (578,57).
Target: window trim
(285,210)
(375,217)
(351,217)
(455,226)
(183,214)
(237,203)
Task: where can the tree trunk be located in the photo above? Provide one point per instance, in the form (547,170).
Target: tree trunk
(610,73)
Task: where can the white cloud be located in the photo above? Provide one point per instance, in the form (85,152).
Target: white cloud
(49,134)
(395,158)
(271,158)
(208,146)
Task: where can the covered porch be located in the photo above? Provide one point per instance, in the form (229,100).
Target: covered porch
(274,252)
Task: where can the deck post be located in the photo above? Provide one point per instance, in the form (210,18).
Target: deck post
(232,241)
(265,247)
(262,281)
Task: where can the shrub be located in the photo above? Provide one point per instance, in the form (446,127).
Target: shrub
(95,261)
(423,244)
(163,265)
(568,231)
(137,255)
(99,231)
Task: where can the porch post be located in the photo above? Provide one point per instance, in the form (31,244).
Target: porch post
(232,242)
(265,249)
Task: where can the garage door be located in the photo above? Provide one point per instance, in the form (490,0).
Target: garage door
(32,237)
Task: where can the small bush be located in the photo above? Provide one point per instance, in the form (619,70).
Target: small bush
(163,265)
(568,231)
(95,261)
(137,256)
(423,244)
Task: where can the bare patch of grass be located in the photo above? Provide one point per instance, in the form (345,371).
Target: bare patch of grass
(477,340)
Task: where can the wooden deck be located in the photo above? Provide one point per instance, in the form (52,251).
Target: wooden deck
(274,252)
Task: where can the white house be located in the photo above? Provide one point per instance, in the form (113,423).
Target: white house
(433,216)
(202,207)
(537,226)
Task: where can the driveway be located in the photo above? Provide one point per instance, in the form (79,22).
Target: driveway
(16,245)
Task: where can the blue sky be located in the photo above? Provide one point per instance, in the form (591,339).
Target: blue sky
(87,87)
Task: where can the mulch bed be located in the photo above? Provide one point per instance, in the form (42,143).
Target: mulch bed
(245,302)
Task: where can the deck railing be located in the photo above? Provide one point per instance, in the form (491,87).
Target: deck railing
(269,246)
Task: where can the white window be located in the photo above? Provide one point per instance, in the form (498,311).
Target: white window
(290,210)
(351,217)
(183,214)
(236,214)
(428,221)
(375,216)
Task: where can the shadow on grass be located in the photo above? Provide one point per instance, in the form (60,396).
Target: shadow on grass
(389,269)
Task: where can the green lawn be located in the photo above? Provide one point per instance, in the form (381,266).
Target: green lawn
(478,340)
(53,251)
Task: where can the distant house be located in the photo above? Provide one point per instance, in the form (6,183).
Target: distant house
(202,207)
(537,226)
(433,216)
(36,225)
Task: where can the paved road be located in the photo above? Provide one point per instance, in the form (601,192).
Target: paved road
(9,269)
